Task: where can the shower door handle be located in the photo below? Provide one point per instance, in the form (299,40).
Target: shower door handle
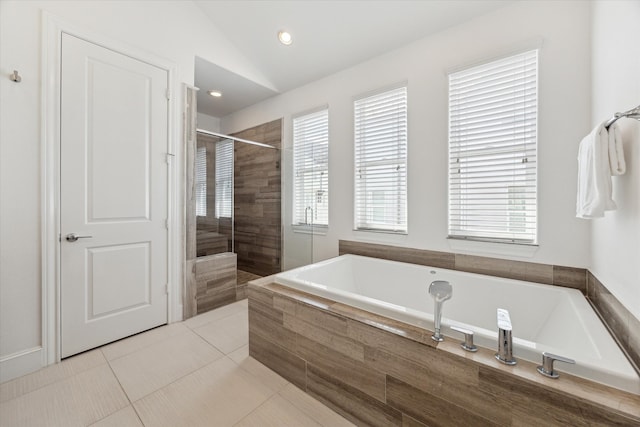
(73,237)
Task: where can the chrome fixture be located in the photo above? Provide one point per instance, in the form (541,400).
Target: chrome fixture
(73,237)
(15,77)
(467,344)
(221,135)
(505,339)
(546,368)
(441,291)
(634,113)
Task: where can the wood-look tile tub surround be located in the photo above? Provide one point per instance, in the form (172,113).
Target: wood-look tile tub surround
(380,372)
(624,327)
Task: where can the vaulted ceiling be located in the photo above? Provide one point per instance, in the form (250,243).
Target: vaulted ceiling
(328,36)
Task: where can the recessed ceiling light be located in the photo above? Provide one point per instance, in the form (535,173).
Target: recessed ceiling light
(215,93)
(285,38)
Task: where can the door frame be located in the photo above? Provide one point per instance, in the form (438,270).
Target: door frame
(52,29)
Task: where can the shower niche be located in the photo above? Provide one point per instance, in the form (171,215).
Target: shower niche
(233,211)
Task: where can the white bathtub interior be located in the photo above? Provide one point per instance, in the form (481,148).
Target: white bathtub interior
(545,318)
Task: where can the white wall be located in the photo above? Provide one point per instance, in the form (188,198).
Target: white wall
(174,30)
(206,122)
(564,94)
(615,244)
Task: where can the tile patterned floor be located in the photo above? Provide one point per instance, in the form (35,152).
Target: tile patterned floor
(193,373)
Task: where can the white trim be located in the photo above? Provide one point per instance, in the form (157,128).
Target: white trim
(53,28)
(21,363)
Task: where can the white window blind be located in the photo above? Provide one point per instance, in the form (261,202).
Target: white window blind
(201,181)
(492,150)
(224,178)
(381,161)
(311,168)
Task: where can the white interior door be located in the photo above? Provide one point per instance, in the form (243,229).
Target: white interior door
(113,195)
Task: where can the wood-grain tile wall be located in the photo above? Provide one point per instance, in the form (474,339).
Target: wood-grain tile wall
(257,199)
(379,372)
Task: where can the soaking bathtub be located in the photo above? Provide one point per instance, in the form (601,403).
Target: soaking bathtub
(544,318)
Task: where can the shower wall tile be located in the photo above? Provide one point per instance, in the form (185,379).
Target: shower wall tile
(257,200)
(215,278)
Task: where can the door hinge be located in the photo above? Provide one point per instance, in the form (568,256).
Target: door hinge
(166,289)
(166,224)
(169,157)
(168,94)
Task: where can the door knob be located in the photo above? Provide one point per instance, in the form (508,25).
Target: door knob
(72,237)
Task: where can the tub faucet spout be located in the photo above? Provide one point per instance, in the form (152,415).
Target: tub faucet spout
(505,339)
(441,291)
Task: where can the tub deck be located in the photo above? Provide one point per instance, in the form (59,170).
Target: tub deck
(378,371)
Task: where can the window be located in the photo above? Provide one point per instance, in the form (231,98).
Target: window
(381,161)
(311,168)
(224,178)
(492,150)
(201,181)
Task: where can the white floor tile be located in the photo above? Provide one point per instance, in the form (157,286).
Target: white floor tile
(227,334)
(157,365)
(240,354)
(126,417)
(277,412)
(49,375)
(140,341)
(76,401)
(218,313)
(313,408)
(220,394)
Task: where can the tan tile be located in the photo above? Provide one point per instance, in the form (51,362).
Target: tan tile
(76,401)
(214,299)
(262,373)
(570,277)
(226,334)
(327,337)
(137,342)
(407,421)
(126,417)
(155,366)
(240,354)
(50,374)
(277,412)
(491,266)
(220,393)
(349,371)
(398,253)
(285,363)
(313,408)
(427,408)
(219,313)
(357,407)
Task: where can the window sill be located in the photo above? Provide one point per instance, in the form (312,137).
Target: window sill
(495,248)
(317,230)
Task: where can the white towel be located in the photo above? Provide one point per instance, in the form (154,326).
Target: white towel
(616,155)
(594,175)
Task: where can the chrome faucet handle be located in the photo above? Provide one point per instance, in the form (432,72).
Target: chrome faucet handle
(468,339)
(546,368)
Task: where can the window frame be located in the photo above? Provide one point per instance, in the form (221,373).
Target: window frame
(296,219)
(527,140)
(363,221)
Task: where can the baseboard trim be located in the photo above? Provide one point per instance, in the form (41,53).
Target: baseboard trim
(21,363)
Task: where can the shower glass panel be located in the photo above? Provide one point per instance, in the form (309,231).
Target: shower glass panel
(214,195)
